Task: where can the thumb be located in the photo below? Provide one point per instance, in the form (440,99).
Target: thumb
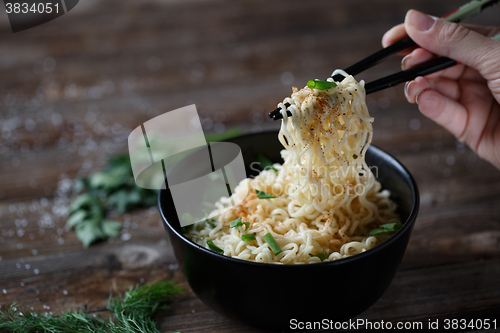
(455,41)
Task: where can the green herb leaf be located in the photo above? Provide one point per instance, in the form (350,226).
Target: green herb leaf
(210,223)
(265,163)
(321,256)
(82,201)
(79,185)
(264,195)
(76,217)
(318,84)
(111,228)
(386,228)
(236,223)
(228,134)
(123,199)
(248,237)
(214,247)
(89,231)
(272,243)
(149,198)
(105,180)
(133,312)
(145,301)
(119,161)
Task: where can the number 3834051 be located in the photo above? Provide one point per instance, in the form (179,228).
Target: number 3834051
(26,8)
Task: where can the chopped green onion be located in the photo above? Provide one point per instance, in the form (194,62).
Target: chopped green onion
(210,223)
(321,256)
(264,195)
(265,163)
(272,243)
(214,247)
(385,228)
(323,85)
(248,237)
(236,223)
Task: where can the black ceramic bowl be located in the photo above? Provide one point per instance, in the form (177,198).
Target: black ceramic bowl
(269,296)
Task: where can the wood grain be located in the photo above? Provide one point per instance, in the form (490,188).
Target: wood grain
(72,90)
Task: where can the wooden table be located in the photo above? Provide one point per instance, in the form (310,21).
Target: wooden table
(72,90)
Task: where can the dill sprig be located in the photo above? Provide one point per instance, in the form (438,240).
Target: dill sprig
(133,312)
(143,302)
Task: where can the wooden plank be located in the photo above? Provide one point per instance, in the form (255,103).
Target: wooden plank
(465,290)
(462,291)
(228,58)
(82,279)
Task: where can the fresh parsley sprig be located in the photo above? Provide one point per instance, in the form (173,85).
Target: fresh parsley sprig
(112,189)
(133,312)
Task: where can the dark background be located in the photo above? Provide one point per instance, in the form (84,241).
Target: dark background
(72,90)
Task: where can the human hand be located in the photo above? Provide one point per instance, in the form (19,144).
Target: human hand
(465,99)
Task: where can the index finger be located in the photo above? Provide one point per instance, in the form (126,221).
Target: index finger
(393,35)
(398,32)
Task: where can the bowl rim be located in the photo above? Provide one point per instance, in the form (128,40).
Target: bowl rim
(406,225)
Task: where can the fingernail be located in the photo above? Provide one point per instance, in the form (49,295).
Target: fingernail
(407,84)
(403,62)
(418,95)
(419,20)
